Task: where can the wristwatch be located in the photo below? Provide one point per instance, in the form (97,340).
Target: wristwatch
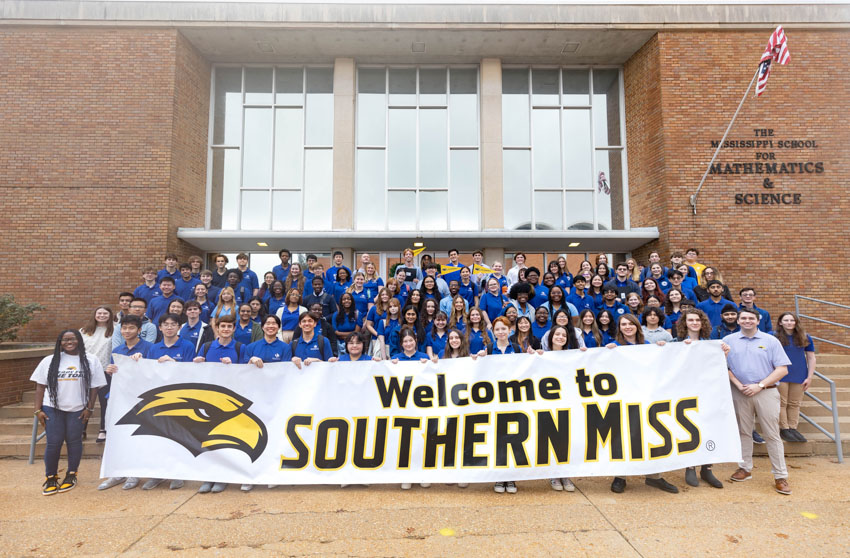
(761,385)
(37,411)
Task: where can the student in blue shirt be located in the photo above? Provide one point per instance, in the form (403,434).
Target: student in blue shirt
(201,296)
(249,279)
(341,283)
(503,345)
(376,313)
(676,279)
(244,325)
(332,271)
(362,300)
(212,290)
(346,321)
(435,340)
(541,324)
(409,318)
(728,324)
(282,270)
(149,288)
(713,305)
(269,348)
(800,350)
(467,288)
(373,283)
(310,347)
(748,300)
(276,298)
(579,298)
(589,330)
(610,302)
(658,275)
(241,293)
(195,330)
(356,348)
(480,338)
(457,346)
(387,325)
(409,347)
(170,269)
(172,347)
(185,284)
(607,325)
(225,348)
(541,293)
(159,304)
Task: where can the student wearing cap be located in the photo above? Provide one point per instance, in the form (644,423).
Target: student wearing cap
(714,304)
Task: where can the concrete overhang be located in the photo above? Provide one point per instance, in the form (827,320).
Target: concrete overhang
(536,241)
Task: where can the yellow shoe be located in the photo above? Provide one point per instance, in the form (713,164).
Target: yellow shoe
(50,486)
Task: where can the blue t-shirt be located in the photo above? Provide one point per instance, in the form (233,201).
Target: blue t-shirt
(276,351)
(181,351)
(476,340)
(310,349)
(142,347)
(147,293)
(798,371)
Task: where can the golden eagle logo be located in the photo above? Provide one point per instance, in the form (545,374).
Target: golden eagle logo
(199,417)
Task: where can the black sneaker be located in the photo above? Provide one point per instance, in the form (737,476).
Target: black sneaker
(796,433)
(618,485)
(50,486)
(69,482)
(786,435)
(662,484)
(757,439)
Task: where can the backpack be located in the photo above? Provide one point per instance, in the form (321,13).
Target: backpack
(320,340)
(205,348)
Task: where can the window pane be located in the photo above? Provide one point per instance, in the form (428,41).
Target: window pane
(515,82)
(225,188)
(371,119)
(544,87)
(433,211)
(369,191)
(432,87)
(547,211)
(464,119)
(609,199)
(515,119)
(258,86)
(517,188)
(433,148)
(371,80)
(402,87)
(576,87)
(606,107)
(255,210)
(286,211)
(546,148)
(464,81)
(257,164)
(401,148)
(227,122)
(465,190)
(320,119)
(288,147)
(402,210)
(578,153)
(318,189)
(289,86)
(579,206)
(320,80)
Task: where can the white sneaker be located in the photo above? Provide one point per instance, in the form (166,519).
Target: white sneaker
(405,486)
(462,484)
(218,487)
(132,482)
(176,484)
(425,484)
(150,484)
(510,487)
(110,482)
(556,484)
(568,485)
(499,487)
(246,487)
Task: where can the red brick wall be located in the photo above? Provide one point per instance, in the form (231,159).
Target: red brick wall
(103,133)
(15,378)
(682,89)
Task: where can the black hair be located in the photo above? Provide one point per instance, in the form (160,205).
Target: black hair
(284,251)
(657,311)
(172,317)
(266,318)
(53,369)
(612,322)
(132,320)
(519,288)
(531,269)
(343,270)
(139,299)
(338,253)
(729,308)
(186,265)
(572,342)
(167,279)
(351,313)
(747,289)
(125,293)
(237,271)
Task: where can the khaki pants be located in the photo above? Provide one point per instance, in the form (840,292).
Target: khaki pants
(790,397)
(766,404)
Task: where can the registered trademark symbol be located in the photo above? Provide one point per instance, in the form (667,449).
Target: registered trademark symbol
(709,445)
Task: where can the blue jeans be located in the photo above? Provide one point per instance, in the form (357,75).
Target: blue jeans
(62,427)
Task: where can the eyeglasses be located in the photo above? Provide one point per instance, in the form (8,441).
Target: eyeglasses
(137,307)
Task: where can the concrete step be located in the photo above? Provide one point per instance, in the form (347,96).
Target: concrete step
(23,426)
(19,446)
(25,410)
(833,358)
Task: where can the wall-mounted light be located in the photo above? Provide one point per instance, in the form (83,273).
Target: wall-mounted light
(418,244)
(574,244)
(262,244)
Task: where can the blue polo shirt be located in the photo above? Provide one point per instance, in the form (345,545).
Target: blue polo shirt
(582,302)
(361,300)
(798,370)
(541,295)
(476,340)
(280,272)
(339,290)
(288,319)
(468,292)
(503,281)
(275,303)
(436,342)
(185,289)
(330,273)
(181,351)
(243,334)
(190,333)
(752,359)
(147,293)
(250,281)
(372,288)
(347,324)
(142,347)
(217,351)
(159,305)
(540,330)
(164,273)
(347,358)
(310,349)
(385,330)
(207,308)
(509,350)
(276,351)
(418,355)
(618,309)
(714,309)
(565,281)
(589,339)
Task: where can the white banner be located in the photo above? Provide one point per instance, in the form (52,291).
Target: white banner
(628,411)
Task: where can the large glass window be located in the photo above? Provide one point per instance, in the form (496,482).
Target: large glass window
(563,149)
(417,163)
(272,148)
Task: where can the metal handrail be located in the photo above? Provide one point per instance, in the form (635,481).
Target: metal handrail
(35,438)
(836,434)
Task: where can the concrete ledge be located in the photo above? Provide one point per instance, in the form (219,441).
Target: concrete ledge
(13,351)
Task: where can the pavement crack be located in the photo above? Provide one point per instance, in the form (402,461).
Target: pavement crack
(611,523)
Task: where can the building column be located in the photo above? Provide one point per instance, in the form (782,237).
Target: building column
(343,181)
(492,207)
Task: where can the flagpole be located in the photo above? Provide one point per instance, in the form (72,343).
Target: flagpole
(720,145)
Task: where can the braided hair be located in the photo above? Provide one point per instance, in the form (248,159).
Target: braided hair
(53,369)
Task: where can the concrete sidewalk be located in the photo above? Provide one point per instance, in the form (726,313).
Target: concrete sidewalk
(746,519)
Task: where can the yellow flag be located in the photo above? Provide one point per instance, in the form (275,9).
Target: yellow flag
(446,268)
(417,251)
(478,269)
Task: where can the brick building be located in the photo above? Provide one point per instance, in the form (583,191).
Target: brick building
(135,128)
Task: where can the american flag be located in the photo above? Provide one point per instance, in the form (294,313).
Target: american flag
(776,51)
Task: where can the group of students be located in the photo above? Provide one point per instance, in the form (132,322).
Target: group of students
(310,314)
